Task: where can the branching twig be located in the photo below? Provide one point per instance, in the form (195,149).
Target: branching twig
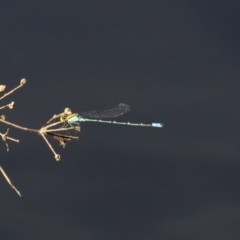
(57,156)
(47,129)
(51,125)
(43,131)
(22,82)
(66,111)
(53,118)
(5,137)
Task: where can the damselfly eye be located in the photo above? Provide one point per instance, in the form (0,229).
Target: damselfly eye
(63,117)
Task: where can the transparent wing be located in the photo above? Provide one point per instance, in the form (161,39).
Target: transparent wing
(107,112)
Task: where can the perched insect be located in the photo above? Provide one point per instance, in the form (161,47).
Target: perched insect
(108,112)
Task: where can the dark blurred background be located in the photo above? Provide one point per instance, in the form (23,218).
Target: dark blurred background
(175,62)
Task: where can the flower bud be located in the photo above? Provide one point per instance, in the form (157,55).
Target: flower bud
(11,105)
(2,88)
(57,157)
(23,81)
(2,117)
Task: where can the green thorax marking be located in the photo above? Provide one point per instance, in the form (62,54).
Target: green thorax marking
(65,117)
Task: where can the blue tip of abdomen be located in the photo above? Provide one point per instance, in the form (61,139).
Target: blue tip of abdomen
(157,125)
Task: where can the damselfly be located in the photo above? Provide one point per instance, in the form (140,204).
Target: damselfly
(108,112)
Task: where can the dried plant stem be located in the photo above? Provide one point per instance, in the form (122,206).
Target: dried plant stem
(3,107)
(9,181)
(13,139)
(5,137)
(57,156)
(63,136)
(46,129)
(42,131)
(59,129)
(52,124)
(54,117)
(10,92)
(10,105)
(9,138)
(19,127)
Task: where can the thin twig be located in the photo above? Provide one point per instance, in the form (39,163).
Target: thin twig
(57,156)
(46,129)
(59,129)
(9,181)
(3,107)
(62,136)
(19,127)
(9,138)
(5,137)
(10,105)
(54,117)
(53,124)
(42,131)
(13,139)
(13,90)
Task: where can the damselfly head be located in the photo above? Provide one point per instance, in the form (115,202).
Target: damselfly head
(67,111)
(63,118)
(66,117)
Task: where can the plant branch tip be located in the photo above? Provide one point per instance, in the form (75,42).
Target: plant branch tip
(9,181)
(11,105)
(23,81)
(2,88)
